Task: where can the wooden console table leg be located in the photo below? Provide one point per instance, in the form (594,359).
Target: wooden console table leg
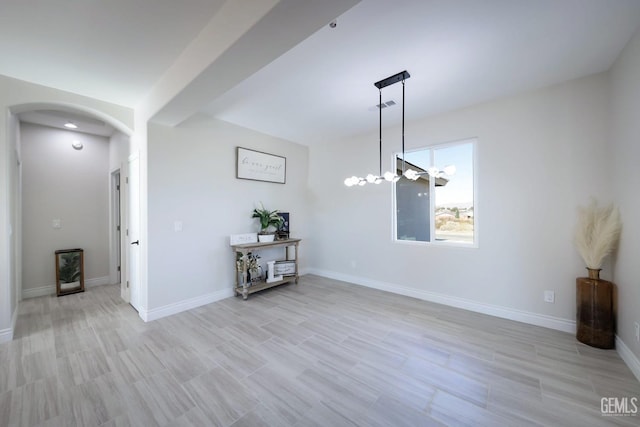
(245,287)
(295,252)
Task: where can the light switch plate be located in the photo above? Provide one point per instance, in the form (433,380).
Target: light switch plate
(549,296)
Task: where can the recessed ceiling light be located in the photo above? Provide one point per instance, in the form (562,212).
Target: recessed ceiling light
(71,125)
(77,145)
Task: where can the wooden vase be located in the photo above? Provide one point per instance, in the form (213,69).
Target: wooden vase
(595,311)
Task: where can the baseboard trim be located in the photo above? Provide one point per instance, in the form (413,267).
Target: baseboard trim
(628,356)
(550,322)
(304,271)
(42,291)
(6,334)
(184,305)
(97,281)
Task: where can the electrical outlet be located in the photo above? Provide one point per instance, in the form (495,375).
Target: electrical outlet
(549,296)
(637,327)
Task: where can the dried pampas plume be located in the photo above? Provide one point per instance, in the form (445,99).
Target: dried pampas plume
(597,232)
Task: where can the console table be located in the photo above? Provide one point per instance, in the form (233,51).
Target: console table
(242,287)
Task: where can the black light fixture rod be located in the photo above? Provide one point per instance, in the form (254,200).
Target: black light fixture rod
(403,126)
(400,77)
(380,133)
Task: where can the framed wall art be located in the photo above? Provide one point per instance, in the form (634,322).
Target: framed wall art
(283,231)
(259,166)
(69,271)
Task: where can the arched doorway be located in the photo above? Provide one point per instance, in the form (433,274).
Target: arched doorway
(100,125)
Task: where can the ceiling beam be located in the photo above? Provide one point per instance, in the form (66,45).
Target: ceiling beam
(281,28)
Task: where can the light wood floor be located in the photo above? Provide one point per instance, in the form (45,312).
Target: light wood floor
(322,353)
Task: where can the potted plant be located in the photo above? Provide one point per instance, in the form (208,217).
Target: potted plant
(270,221)
(597,234)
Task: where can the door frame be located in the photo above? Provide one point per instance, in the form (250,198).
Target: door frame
(115,228)
(132,282)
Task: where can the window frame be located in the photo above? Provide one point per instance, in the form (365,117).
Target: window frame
(394,211)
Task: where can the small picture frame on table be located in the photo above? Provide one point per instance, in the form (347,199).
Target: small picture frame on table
(283,230)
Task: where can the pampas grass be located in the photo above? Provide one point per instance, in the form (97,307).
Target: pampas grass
(597,232)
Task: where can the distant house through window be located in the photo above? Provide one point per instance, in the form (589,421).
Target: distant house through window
(439,205)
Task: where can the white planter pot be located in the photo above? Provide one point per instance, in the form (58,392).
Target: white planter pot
(266,237)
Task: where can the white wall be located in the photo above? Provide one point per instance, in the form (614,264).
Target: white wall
(71,185)
(625,148)
(15,220)
(192,179)
(225,28)
(118,151)
(540,155)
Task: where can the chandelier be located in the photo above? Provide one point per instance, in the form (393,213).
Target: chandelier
(392,176)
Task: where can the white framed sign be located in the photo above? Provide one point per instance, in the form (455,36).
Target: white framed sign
(259,166)
(240,239)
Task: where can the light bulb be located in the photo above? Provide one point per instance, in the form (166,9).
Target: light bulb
(361,182)
(450,170)
(389,176)
(371,179)
(351,181)
(411,174)
(378,180)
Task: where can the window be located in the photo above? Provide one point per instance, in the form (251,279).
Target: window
(445,172)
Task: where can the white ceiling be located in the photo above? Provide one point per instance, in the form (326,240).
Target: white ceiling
(458,52)
(58,119)
(113,50)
